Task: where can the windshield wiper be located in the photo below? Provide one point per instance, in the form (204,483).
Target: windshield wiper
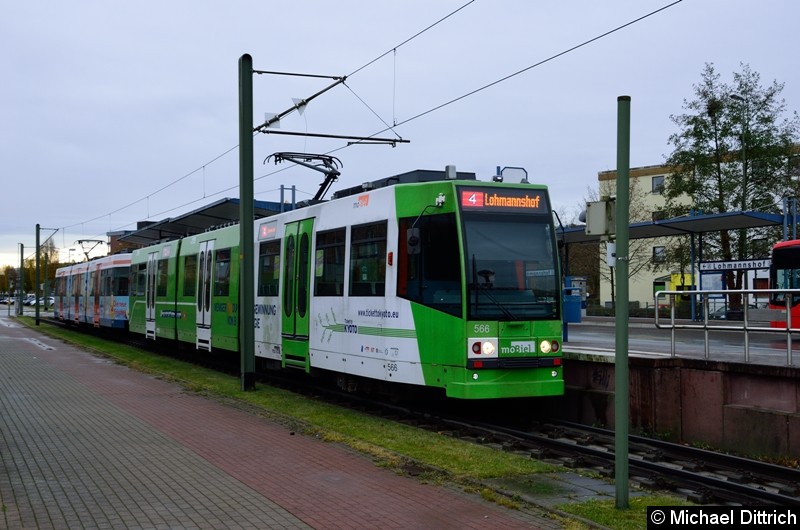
(486,274)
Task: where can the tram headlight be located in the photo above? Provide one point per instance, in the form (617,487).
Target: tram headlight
(545,346)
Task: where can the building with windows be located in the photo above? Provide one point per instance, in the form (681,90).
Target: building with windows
(648,256)
(648,269)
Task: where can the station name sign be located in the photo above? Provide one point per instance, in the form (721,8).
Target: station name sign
(748,264)
(504,200)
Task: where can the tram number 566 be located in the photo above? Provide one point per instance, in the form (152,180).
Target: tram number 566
(391,367)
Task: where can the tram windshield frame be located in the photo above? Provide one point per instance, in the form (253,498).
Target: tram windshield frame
(511,263)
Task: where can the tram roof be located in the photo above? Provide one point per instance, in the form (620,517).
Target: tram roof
(221,212)
(226,211)
(695,224)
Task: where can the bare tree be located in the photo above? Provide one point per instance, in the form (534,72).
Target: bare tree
(639,251)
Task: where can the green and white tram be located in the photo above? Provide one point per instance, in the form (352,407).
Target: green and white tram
(452,284)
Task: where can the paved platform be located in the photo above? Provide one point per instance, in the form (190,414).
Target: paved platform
(86,443)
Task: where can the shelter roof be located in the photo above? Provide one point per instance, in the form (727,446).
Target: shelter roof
(219,213)
(695,224)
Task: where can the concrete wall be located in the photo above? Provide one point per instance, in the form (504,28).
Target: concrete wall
(751,410)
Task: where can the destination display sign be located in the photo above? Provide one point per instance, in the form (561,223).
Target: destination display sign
(735,265)
(503,200)
(267,230)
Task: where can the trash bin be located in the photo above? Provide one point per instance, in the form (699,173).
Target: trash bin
(572,305)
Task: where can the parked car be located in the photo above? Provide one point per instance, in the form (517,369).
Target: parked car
(719,313)
(728,313)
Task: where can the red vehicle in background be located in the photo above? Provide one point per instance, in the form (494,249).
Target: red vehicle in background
(784,273)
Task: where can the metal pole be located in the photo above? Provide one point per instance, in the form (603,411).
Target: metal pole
(785,219)
(46,282)
(788,328)
(19,279)
(37,277)
(621,411)
(693,280)
(246,252)
(566,287)
(672,323)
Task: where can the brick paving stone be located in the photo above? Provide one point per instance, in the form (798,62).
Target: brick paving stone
(88,443)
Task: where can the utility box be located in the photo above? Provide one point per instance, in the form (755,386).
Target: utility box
(601,218)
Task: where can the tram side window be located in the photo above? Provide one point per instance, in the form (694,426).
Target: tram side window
(92,280)
(269,261)
(106,283)
(431,276)
(368,260)
(163,277)
(190,275)
(329,263)
(76,284)
(139,275)
(120,282)
(222,272)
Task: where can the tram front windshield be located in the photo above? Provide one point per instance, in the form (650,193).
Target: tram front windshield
(511,267)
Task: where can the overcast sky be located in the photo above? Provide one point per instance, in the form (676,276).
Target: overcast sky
(104,103)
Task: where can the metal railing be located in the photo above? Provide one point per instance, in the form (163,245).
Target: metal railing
(753,319)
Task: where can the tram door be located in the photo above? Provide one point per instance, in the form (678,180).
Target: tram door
(296,291)
(96,279)
(205,272)
(77,280)
(150,296)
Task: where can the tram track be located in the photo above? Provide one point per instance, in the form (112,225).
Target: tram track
(702,476)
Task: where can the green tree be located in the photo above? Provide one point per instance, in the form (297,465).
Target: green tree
(733,152)
(7,277)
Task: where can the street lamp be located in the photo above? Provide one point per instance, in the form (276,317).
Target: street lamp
(743,244)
